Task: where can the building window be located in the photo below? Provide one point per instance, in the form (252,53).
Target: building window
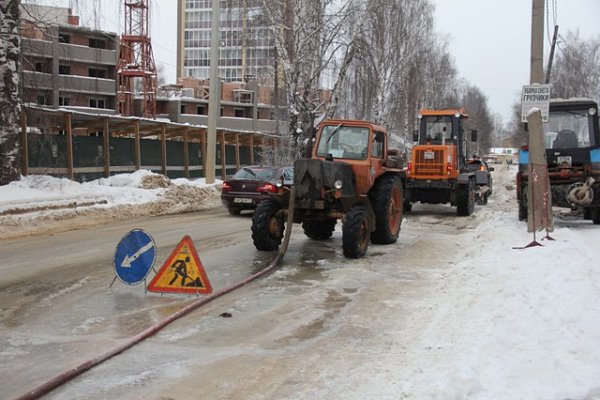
(97,103)
(182,109)
(97,43)
(41,100)
(64,101)
(64,38)
(96,73)
(39,67)
(201,110)
(240,112)
(64,70)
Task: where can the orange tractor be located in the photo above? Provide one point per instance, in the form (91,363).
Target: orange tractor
(437,172)
(352,176)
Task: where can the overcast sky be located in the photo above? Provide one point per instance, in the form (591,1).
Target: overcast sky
(490,39)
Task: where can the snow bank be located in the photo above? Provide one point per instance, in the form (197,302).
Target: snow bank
(43,203)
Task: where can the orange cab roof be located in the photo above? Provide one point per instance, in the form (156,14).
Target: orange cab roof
(450,111)
(353,122)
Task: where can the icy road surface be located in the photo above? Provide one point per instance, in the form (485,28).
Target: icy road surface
(451,311)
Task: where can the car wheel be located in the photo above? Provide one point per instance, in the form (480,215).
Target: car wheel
(234,210)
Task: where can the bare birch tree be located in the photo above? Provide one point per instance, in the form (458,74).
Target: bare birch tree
(577,68)
(9,96)
(401,65)
(475,103)
(310,36)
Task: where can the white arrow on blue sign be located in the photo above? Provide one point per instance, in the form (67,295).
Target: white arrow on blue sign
(134,257)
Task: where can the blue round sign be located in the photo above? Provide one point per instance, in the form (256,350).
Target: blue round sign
(134,257)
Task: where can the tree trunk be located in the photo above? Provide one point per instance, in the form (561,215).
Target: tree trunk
(9,95)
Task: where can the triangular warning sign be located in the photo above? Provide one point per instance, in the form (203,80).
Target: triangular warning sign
(182,272)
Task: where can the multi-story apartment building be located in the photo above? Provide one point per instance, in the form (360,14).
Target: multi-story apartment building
(246,47)
(64,64)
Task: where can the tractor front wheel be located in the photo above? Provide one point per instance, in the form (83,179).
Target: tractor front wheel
(465,199)
(267,226)
(388,204)
(355,233)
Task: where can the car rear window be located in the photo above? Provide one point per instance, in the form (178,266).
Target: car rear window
(474,165)
(263,174)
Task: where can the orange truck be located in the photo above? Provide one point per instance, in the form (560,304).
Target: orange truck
(437,172)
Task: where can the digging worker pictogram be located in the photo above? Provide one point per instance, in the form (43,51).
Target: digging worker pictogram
(180,267)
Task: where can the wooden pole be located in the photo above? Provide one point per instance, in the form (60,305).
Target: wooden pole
(69,130)
(137,148)
(24,144)
(106,137)
(252,148)
(186,154)
(223,156)
(237,151)
(163,150)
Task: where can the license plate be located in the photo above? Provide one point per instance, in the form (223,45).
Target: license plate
(242,200)
(563,160)
(429,155)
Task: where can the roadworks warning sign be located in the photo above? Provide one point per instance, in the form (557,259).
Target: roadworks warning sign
(182,272)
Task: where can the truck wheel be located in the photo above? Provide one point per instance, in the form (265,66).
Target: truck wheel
(319,230)
(407,205)
(234,210)
(523,205)
(355,233)
(465,199)
(388,204)
(483,198)
(267,226)
(596,216)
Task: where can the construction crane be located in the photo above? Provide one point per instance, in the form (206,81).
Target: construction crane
(136,60)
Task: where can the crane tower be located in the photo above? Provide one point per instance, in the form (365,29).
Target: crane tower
(136,60)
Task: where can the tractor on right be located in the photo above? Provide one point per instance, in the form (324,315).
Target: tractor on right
(572,141)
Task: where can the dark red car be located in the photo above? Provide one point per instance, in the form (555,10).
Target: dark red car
(250,185)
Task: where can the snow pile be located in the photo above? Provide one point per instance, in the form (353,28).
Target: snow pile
(37,203)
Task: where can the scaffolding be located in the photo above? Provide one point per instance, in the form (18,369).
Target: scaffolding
(136,60)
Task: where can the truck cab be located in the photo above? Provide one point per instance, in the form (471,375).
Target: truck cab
(437,171)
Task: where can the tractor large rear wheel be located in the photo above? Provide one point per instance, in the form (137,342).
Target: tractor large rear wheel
(388,204)
(465,199)
(355,232)
(319,230)
(267,226)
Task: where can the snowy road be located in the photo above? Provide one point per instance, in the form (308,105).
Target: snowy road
(450,311)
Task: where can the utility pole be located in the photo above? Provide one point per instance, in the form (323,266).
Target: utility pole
(551,59)
(244,35)
(214,95)
(539,197)
(537,42)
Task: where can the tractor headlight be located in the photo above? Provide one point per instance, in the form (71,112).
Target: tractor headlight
(457,115)
(279,184)
(592,111)
(338,185)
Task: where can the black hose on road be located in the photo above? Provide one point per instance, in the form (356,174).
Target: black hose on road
(61,379)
